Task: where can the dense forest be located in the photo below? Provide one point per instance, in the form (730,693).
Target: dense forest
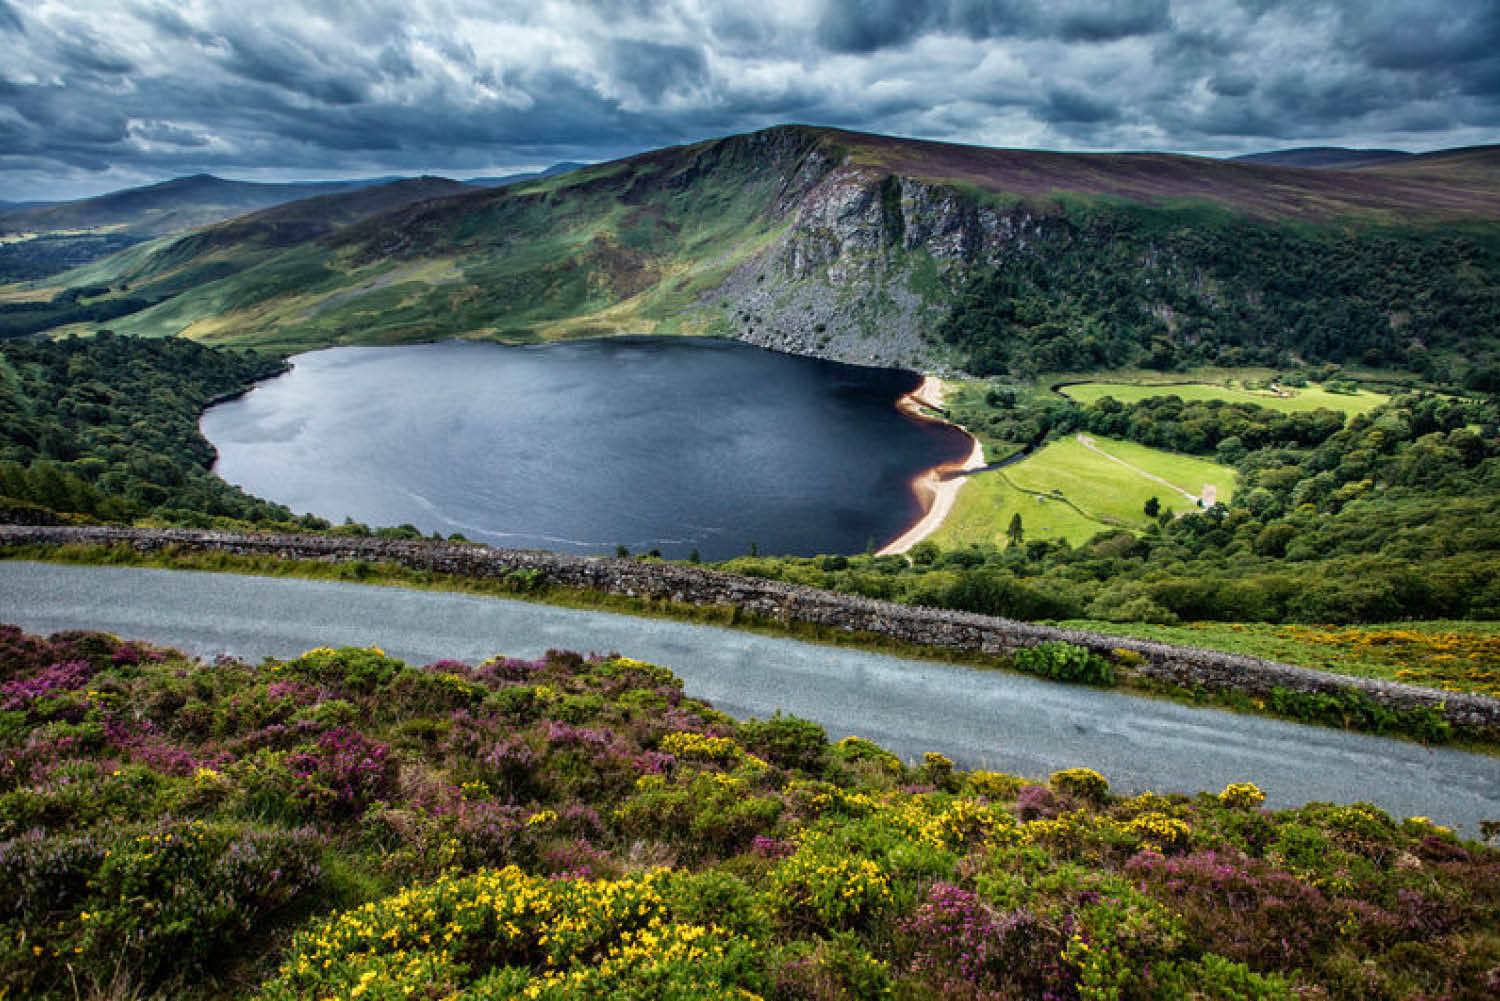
(341,824)
(1107,287)
(1387,518)
(107,427)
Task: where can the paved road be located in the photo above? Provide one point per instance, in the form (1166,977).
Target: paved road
(980,719)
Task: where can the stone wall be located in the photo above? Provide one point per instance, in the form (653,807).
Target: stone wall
(1177,665)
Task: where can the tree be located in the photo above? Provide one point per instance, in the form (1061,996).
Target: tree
(925,552)
(1153,507)
(1015,533)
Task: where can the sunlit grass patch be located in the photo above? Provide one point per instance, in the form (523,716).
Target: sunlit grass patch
(1452,656)
(1071,491)
(1290,400)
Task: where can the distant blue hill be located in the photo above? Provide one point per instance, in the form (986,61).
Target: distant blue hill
(504,179)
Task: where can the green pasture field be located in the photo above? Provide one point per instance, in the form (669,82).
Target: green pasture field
(984,508)
(1096,492)
(1298,400)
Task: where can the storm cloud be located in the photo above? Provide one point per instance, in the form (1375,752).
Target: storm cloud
(97,95)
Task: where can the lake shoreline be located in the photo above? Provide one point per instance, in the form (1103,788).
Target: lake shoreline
(936,488)
(674,445)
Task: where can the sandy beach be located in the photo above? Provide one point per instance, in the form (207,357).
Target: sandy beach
(938,487)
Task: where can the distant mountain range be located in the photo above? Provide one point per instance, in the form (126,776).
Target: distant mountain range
(169,207)
(42,238)
(851,246)
(501,181)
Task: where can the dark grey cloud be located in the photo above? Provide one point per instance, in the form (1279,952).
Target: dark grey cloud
(1067,105)
(654,69)
(877,24)
(282,61)
(101,93)
(1232,83)
(1415,37)
(10,20)
(90,54)
(1090,22)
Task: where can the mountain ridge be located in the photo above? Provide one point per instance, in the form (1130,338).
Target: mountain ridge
(808,239)
(44,238)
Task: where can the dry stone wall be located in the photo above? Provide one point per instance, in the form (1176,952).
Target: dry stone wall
(1185,666)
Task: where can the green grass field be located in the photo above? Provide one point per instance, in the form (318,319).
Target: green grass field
(1097,492)
(984,509)
(1454,656)
(1306,398)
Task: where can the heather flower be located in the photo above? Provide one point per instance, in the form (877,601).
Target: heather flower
(297,692)
(771,848)
(509,671)
(57,679)
(345,770)
(1038,803)
(954,933)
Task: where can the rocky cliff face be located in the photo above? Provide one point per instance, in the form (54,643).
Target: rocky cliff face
(859,272)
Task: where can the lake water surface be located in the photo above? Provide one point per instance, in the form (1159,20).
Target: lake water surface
(652,443)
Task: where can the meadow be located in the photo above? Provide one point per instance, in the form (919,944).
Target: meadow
(1298,399)
(1068,490)
(341,824)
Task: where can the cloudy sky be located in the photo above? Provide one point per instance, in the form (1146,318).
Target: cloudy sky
(102,94)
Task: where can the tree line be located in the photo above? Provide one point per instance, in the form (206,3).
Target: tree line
(107,427)
(1109,287)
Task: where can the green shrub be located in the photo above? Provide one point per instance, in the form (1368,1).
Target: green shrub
(704,814)
(1211,977)
(162,903)
(788,742)
(347,670)
(1065,662)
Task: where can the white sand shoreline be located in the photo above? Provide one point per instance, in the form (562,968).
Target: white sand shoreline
(938,487)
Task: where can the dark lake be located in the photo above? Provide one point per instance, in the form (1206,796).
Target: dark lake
(651,443)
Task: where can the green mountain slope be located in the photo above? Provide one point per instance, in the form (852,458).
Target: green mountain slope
(159,270)
(882,250)
(44,239)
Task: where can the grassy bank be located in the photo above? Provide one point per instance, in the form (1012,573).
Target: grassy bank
(1451,656)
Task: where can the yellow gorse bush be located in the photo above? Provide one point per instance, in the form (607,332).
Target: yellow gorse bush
(1161,832)
(702,747)
(1242,795)
(579,938)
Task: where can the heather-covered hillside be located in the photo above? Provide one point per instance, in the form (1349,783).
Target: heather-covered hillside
(342,824)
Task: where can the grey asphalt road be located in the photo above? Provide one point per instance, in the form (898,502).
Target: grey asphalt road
(979,718)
